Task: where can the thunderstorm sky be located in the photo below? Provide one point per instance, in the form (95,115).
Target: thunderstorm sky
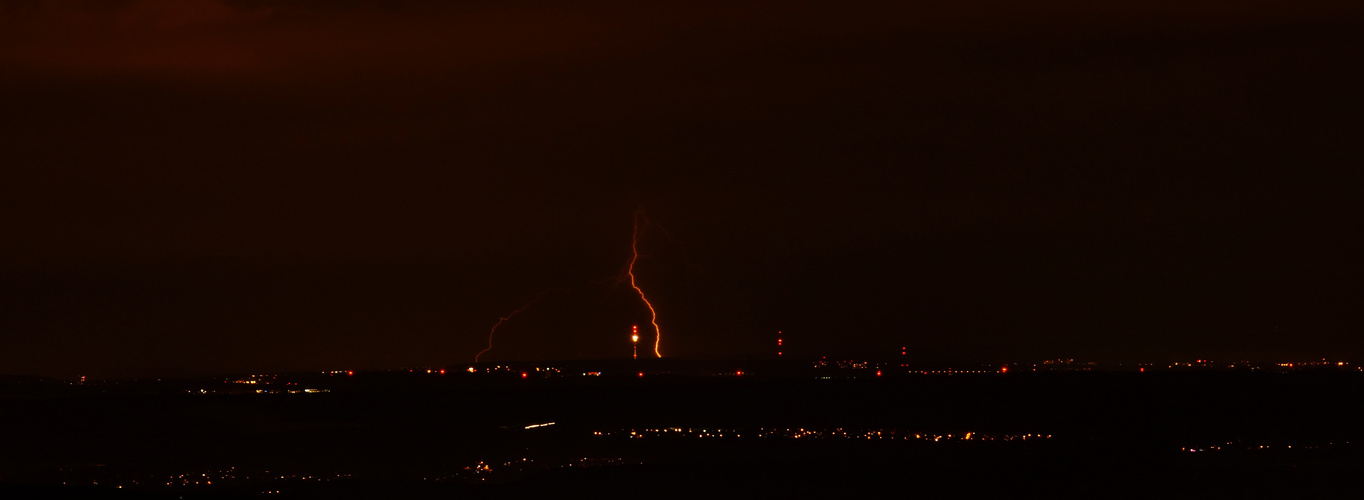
(205,186)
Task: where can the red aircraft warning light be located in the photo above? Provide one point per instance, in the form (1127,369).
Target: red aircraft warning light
(634,341)
(349,372)
(525,375)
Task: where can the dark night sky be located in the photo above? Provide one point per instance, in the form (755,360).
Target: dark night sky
(201,186)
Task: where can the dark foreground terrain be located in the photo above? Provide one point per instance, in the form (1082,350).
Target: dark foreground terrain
(419,435)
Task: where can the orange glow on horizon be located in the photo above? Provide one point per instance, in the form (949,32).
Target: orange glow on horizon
(653,315)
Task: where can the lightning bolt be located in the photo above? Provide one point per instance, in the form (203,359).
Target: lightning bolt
(634,250)
(686,255)
(499,323)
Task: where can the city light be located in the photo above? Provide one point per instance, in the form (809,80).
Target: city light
(837,433)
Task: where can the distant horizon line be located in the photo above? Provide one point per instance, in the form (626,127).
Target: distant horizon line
(1054,364)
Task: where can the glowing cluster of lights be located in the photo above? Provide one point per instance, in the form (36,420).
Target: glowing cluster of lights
(230,476)
(880,369)
(1312,364)
(486,472)
(284,390)
(292,391)
(1242,446)
(811,433)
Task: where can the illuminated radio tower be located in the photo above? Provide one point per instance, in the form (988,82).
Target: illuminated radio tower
(634,341)
(779,344)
